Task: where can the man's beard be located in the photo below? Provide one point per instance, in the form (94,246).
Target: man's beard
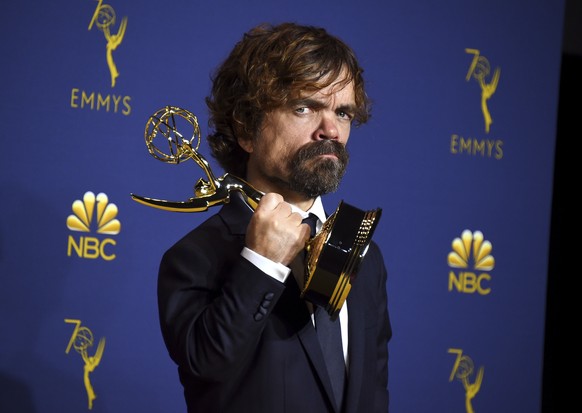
(324,175)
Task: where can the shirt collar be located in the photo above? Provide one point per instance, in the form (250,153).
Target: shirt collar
(316,209)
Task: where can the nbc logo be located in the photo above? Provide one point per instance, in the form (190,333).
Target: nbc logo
(471,249)
(82,220)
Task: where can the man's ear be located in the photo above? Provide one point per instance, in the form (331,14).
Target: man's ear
(246,144)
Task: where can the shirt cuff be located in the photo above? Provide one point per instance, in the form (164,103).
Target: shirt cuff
(273,269)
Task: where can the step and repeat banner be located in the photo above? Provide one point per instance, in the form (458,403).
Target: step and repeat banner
(458,153)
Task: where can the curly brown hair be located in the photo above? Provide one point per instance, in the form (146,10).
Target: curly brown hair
(270,65)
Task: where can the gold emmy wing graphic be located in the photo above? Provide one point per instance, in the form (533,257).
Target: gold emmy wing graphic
(104,18)
(333,254)
(463,369)
(81,340)
(480,70)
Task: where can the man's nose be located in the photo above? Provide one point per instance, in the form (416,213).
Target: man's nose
(328,127)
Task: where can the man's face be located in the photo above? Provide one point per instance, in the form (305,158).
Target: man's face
(300,149)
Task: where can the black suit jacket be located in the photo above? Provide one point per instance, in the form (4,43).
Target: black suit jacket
(244,342)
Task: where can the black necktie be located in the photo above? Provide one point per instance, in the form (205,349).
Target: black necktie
(311,220)
(330,339)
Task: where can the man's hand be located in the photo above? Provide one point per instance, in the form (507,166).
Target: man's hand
(275,232)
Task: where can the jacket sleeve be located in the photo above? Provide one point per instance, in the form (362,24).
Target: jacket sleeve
(213,303)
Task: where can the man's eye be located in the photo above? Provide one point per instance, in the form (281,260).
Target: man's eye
(345,115)
(302,109)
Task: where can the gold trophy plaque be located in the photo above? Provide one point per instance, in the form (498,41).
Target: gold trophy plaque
(334,254)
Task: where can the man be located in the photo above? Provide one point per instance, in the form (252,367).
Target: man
(282,105)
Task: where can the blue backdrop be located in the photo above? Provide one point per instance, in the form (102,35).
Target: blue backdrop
(458,154)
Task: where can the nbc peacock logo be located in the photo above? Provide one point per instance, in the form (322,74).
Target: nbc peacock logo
(93,214)
(470,250)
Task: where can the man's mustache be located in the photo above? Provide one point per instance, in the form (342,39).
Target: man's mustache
(324,147)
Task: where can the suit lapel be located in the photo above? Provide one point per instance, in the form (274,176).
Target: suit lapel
(293,310)
(309,341)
